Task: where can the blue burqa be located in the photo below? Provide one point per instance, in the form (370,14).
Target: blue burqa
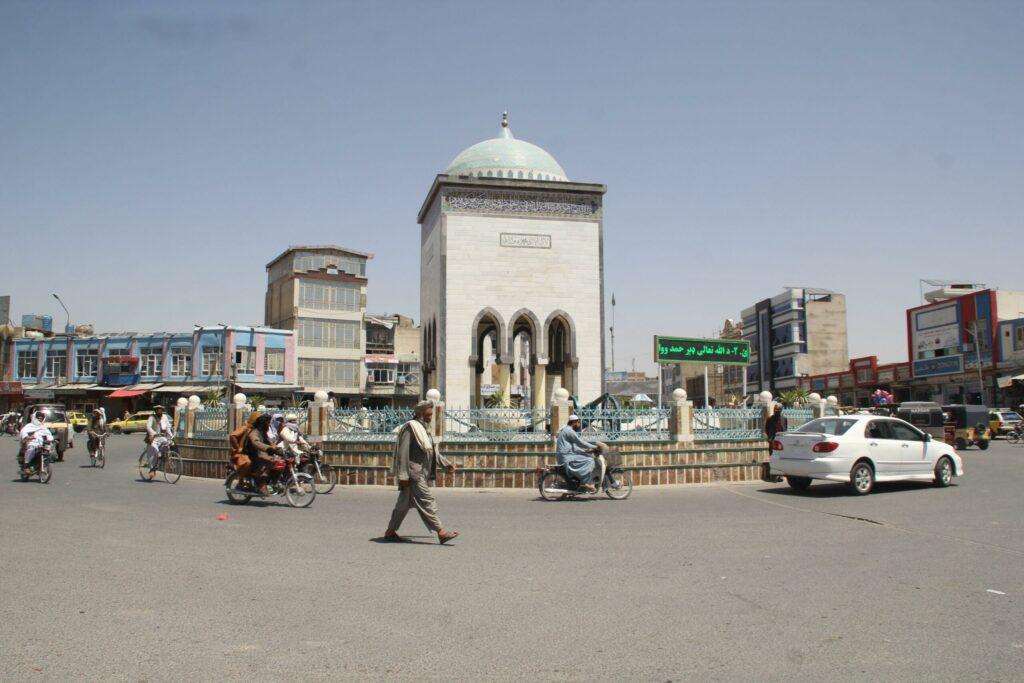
(571,452)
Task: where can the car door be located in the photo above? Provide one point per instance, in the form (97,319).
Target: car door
(913,449)
(883,449)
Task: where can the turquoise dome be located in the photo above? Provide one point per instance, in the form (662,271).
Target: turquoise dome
(506,157)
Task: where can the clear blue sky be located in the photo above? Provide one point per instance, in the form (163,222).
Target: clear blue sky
(154,156)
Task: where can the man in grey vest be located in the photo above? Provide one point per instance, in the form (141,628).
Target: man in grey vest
(413,463)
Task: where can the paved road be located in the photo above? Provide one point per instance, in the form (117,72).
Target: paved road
(104,577)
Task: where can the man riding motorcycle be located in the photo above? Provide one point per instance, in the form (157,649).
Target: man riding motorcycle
(575,454)
(261,452)
(32,436)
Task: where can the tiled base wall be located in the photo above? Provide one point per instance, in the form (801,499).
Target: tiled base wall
(491,465)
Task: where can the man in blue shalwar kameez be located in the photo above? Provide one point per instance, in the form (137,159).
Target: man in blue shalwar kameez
(574,453)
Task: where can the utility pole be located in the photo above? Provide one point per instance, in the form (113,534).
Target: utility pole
(612,330)
(977,355)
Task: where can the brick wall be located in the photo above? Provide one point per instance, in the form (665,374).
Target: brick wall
(498,465)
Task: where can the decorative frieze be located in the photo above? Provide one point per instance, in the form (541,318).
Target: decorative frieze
(513,203)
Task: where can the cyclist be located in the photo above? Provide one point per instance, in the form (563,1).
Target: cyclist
(158,434)
(97,428)
(32,436)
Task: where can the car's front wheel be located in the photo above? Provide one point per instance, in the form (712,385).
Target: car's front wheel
(944,472)
(862,478)
(798,483)
(983,445)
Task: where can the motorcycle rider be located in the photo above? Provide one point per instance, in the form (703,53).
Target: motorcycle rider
(292,438)
(575,454)
(96,429)
(261,451)
(158,433)
(32,436)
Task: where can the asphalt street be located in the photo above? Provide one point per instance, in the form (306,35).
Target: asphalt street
(105,577)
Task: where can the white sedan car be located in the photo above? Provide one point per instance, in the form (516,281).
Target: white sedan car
(860,450)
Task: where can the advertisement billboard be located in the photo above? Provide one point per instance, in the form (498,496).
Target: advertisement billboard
(946,365)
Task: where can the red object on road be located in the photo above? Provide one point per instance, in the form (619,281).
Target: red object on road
(223,517)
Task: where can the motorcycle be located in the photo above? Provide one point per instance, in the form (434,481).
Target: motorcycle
(41,466)
(324,476)
(557,484)
(283,480)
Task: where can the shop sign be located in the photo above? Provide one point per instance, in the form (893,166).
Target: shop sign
(11,389)
(930,367)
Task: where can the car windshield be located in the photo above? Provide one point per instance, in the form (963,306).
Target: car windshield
(52,415)
(833,426)
(1010,416)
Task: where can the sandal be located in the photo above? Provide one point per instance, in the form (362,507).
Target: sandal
(394,538)
(447,537)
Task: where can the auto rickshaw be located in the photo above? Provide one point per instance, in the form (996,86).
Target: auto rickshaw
(967,425)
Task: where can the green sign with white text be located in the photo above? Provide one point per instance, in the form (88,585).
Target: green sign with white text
(690,350)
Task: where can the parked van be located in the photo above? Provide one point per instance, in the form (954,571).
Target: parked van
(925,415)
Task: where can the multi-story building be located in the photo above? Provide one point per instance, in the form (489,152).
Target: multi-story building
(320,293)
(126,370)
(392,361)
(801,331)
(951,343)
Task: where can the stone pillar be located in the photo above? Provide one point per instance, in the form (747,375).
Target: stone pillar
(437,422)
(236,412)
(817,404)
(317,423)
(764,400)
(181,416)
(505,382)
(539,386)
(478,399)
(681,418)
(559,412)
(190,415)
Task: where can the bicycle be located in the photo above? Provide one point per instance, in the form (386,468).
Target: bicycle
(168,461)
(98,458)
(1016,436)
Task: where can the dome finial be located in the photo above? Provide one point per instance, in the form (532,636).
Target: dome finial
(504,119)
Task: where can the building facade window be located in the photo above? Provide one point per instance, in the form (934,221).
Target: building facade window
(245,360)
(213,360)
(87,362)
(380,373)
(347,264)
(1018,340)
(56,364)
(273,362)
(116,351)
(328,296)
(408,374)
(181,361)
(321,372)
(151,360)
(334,334)
(28,363)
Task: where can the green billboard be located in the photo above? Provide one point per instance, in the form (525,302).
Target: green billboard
(693,350)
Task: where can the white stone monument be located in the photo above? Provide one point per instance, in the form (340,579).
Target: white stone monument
(511,268)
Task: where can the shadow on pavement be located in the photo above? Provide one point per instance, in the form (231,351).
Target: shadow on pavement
(838,490)
(409,540)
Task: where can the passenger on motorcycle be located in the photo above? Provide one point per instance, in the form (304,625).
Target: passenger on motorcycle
(291,437)
(32,436)
(158,433)
(97,428)
(574,453)
(261,451)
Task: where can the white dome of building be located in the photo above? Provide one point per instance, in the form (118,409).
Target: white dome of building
(507,157)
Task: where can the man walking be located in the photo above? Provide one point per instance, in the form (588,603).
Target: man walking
(413,463)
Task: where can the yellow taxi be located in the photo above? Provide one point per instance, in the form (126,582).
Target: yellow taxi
(78,420)
(136,422)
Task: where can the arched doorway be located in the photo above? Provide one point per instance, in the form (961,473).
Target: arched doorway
(560,335)
(486,363)
(526,356)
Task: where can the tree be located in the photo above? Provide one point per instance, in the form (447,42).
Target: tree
(794,397)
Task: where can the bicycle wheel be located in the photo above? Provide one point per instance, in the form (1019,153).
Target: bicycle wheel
(101,458)
(325,480)
(143,467)
(302,491)
(172,467)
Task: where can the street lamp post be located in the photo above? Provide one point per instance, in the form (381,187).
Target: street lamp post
(67,324)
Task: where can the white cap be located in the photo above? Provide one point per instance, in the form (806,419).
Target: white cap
(573,417)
